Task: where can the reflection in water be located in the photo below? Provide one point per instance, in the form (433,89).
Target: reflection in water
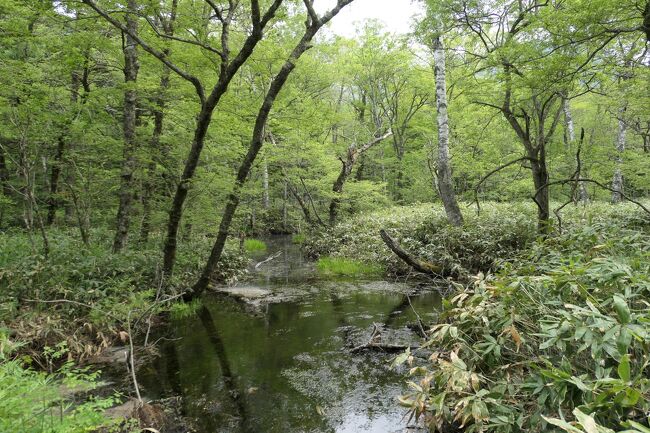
(288,370)
(228,379)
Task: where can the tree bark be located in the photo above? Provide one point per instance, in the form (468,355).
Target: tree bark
(445,184)
(570,135)
(617,181)
(313,24)
(347,164)
(4,182)
(265,185)
(131,66)
(155,145)
(53,201)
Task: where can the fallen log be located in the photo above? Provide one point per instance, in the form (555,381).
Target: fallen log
(417,264)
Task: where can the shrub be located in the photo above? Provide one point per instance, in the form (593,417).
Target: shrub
(563,328)
(32,402)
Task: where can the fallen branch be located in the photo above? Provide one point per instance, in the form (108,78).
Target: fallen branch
(268,259)
(417,264)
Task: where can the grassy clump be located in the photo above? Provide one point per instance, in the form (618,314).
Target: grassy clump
(561,331)
(254,246)
(342,267)
(299,238)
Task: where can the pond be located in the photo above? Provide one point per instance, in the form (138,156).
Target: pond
(285,365)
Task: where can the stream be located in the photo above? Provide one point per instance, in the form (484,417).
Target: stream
(282,364)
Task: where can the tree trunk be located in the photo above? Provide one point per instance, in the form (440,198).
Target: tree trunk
(156,149)
(150,182)
(53,201)
(347,164)
(617,182)
(541,197)
(265,184)
(131,67)
(4,182)
(257,141)
(445,185)
(570,135)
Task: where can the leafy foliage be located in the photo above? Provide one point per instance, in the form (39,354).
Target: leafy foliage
(563,328)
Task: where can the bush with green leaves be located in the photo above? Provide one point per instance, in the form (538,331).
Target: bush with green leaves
(34,402)
(558,339)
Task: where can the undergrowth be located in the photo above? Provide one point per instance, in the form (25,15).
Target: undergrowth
(558,339)
(487,239)
(83,295)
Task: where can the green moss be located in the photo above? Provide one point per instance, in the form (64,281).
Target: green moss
(339,266)
(299,238)
(254,245)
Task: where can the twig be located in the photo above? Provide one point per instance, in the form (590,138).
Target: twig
(422,331)
(132,362)
(375,332)
(496,170)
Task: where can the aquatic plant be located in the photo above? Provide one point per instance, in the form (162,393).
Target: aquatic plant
(342,267)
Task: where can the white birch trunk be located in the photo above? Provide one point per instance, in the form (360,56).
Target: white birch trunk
(617,182)
(445,186)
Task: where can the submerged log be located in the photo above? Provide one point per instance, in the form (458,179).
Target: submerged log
(417,264)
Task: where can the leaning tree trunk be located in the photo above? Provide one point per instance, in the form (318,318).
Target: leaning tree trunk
(131,67)
(312,26)
(445,185)
(617,181)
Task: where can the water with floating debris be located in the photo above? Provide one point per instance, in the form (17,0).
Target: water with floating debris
(279,360)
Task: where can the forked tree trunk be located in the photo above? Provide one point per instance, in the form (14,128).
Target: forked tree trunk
(131,67)
(445,184)
(347,164)
(312,26)
(617,181)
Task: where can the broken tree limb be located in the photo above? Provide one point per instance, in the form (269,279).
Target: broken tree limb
(417,264)
(374,342)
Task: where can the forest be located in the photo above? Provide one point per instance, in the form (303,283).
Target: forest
(229,216)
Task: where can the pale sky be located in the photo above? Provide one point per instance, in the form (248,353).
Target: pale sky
(395,14)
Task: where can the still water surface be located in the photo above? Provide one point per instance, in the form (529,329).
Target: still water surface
(286,368)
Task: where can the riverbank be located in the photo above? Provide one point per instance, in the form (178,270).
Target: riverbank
(552,335)
(62,312)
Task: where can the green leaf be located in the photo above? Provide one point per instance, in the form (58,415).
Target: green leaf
(622,310)
(562,424)
(624,368)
